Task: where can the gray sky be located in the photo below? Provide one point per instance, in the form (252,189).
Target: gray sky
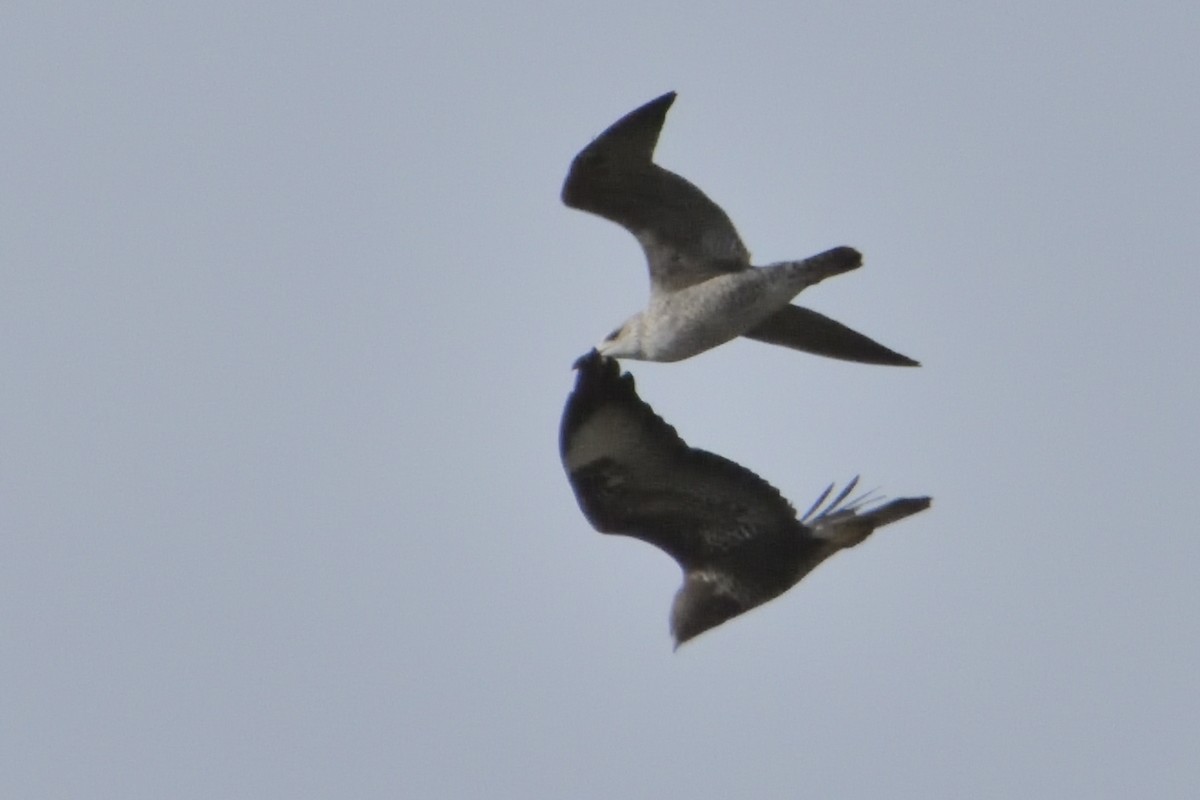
(287,310)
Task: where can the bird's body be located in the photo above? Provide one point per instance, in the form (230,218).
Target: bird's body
(680,324)
(698,265)
(737,540)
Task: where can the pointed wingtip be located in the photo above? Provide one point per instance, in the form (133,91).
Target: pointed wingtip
(804,329)
(634,135)
(598,376)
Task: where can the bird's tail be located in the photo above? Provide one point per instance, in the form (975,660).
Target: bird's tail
(825,265)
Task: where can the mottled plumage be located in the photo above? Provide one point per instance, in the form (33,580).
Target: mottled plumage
(738,541)
(699,269)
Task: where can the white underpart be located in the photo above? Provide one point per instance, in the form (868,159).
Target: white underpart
(678,325)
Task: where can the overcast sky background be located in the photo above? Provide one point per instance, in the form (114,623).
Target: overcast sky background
(288,303)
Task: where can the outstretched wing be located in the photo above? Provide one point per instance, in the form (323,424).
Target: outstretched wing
(687,238)
(632,474)
(804,329)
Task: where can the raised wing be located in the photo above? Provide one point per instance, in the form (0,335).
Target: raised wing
(687,238)
(632,474)
(804,329)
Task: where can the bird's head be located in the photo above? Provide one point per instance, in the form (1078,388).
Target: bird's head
(703,602)
(625,341)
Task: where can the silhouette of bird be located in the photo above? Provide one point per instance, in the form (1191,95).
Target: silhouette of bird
(703,289)
(738,541)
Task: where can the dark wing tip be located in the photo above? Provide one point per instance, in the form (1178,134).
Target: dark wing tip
(624,148)
(879,357)
(634,135)
(883,359)
(587,360)
(804,329)
(639,128)
(665,100)
(598,373)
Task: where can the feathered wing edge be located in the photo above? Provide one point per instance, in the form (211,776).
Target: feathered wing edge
(686,237)
(635,135)
(599,382)
(601,385)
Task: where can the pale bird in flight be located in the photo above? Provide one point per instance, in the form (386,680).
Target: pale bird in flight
(703,289)
(738,541)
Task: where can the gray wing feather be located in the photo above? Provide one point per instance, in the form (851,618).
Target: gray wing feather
(804,329)
(686,237)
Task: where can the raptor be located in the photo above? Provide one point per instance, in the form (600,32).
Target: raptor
(737,540)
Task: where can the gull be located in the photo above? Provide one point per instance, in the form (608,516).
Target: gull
(737,540)
(703,289)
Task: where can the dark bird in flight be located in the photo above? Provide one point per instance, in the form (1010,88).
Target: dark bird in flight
(738,541)
(703,289)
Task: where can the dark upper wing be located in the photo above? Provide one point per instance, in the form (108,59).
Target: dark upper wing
(632,474)
(687,238)
(804,329)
